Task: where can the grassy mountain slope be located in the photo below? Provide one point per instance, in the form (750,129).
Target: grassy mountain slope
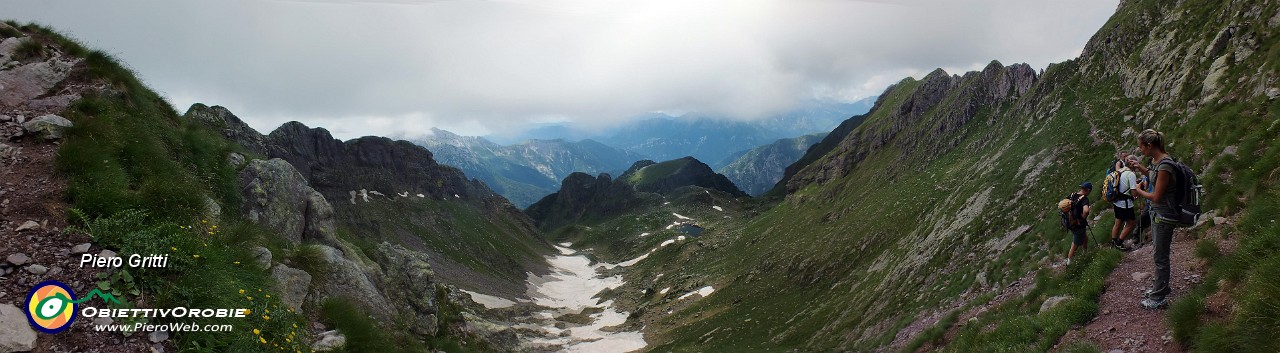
(142,179)
(945,193)
(386,190)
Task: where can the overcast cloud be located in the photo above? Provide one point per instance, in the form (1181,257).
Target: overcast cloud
(402,66)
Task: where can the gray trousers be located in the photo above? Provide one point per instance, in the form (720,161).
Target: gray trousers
(1162,237)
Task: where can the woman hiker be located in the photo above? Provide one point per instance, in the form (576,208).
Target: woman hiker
(1152,144)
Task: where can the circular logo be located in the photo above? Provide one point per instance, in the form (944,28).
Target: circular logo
(51,306)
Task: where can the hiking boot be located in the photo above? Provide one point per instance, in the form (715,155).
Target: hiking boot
(1068,262)
(1154,303)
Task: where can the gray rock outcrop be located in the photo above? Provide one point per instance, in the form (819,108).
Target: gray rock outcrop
(345,278)
(16,334)
(329,341)
(292,284)
(49,127)
(277,196)
(23,83)
(411,283)
(1053,302)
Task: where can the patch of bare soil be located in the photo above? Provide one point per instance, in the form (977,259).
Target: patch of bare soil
(1125,326)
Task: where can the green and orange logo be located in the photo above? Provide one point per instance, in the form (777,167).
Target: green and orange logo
(51,306)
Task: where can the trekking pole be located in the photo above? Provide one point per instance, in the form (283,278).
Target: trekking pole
(1095,238)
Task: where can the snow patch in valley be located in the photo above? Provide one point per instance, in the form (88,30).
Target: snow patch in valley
(704,292)
(717,208)
(489,301)
(571,287)
(680,216)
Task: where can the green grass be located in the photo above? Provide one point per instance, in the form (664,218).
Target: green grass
(29,50)
(361,332)
(1249,273)
(656,172)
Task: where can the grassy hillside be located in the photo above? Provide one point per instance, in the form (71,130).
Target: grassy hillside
(142,179)
(946,191)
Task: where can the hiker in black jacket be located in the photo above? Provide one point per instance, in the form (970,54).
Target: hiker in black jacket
(1079,214)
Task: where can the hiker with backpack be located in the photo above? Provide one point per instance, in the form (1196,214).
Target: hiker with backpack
(1145,217)
(1075,218)
(1175,202)
(1120,183)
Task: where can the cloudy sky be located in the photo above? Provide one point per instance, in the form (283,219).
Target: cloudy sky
(399,67)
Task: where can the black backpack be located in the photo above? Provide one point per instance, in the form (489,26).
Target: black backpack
(1071,218)
(1187,194)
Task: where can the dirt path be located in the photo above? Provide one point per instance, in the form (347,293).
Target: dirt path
(1122,325)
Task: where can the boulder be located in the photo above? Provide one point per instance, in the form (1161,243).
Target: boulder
(329,341)
(277,196)
(235,160)
(212,211)
(410,283)
(80,249)
(37,269)
(18,259)
(29,81)
(8,45)
(27,225)
(158,336)
(1052,302)
(49,127)
(261,257)
(16,334)
(292,284)
(55,103)
(8,152)
(318,224)
(344,278)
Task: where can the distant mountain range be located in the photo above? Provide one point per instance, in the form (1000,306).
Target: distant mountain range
(756,170)
(527,171)
(527,167)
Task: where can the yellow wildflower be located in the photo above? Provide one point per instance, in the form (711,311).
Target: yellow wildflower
(257,332)
(242,291)
(263,340)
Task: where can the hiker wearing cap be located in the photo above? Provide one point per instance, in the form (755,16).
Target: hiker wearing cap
(1151,143)
(1119,192)
(1078,219)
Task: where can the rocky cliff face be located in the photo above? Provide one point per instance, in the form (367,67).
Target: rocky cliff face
(954,99)
(583,197)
